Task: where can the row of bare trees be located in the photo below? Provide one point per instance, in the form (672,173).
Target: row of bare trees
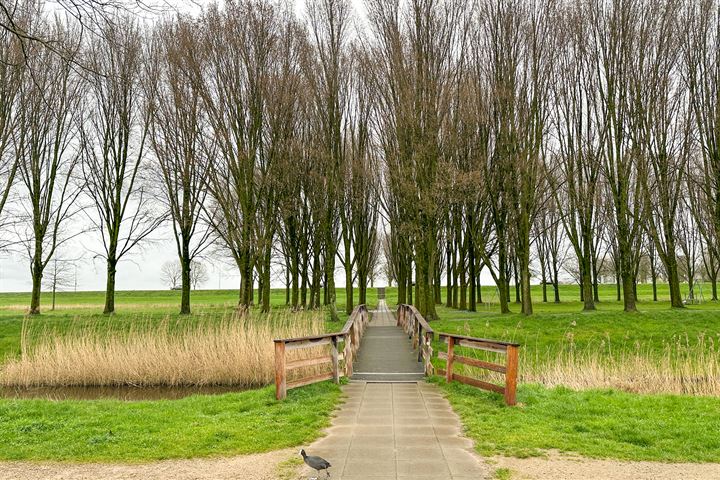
(243,129)
(511,138)
(513,130)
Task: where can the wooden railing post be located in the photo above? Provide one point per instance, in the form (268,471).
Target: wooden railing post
(335,363)
(427,352)
(280,374)
(511,373)
(420,343)
(450,359)
(348,355)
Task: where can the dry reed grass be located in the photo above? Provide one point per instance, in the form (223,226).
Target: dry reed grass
(681,367)
(235,350)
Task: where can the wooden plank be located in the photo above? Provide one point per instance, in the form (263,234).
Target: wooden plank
(511,375)
(351,320)
(440,372)
(474,362)
(475,339)
(348,356)
(478,383)
(308,343)
(280,378)
(308,338)
(488,347)
(307,381)
(308,362)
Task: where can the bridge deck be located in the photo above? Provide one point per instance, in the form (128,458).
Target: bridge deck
(386,353)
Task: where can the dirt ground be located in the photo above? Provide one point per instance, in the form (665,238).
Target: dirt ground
(564,467)
(245,467)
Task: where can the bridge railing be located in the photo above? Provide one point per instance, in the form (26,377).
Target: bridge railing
(341,363)
(510,369)
(421,333)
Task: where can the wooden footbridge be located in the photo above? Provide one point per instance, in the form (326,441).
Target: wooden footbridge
(381,347)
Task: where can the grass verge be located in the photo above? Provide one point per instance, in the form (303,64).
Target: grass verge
(592,423)
(197,426)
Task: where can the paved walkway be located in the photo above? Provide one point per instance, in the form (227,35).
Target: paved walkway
(397,431)
(393,425)
(386,353)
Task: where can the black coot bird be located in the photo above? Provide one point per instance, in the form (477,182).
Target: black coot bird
(316,462)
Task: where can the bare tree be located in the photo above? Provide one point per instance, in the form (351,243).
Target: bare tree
(574,172)
(613,34)
(415,64)
(701,52)
(660,131)
(199,274)
(114,139)
(328,77)
(60,275)
(176,129)
(48,109)
(11,77)
(249,81)
(690,245)
(171,274)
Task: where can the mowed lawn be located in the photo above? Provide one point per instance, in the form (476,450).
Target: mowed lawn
(195,426)
(553,326)
(594,423)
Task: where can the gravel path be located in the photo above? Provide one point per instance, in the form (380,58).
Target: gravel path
(245,467)
(561,467)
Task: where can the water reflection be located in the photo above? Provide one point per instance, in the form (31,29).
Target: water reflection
(126,393)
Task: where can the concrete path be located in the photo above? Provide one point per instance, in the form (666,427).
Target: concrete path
(386,353)
(396,431)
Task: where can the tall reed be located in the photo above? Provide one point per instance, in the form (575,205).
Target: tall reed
(234,350)
(681,366)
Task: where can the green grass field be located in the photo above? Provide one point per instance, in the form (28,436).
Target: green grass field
(553,325)
(196,426)
(594,423)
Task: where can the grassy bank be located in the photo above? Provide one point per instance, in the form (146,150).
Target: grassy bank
(197,426)
(592,423)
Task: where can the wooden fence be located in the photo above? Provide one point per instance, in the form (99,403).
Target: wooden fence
(341,363)
(420,331)
(510,369)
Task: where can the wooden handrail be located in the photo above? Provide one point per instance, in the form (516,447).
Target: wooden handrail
(350,335)
(443,336)
(510,369)
(421,333)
